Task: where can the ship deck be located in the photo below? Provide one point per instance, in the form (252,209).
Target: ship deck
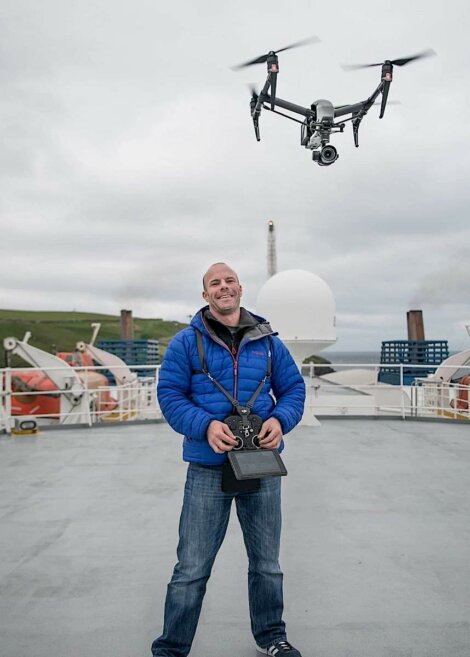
(375,550)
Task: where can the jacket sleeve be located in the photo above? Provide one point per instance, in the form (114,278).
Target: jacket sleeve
(174,391)
(288,387)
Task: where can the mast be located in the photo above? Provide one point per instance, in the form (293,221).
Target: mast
(272,260)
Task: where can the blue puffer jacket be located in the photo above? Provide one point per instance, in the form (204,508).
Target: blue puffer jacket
(190,401)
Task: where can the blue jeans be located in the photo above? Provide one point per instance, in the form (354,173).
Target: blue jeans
(203,523)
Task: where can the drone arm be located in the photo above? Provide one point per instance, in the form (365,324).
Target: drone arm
(265,97)
(292,107)
(359,110)
(273,89)
(257,105)
(386,87)
(291,118)
(363,107)
(261,98)
(350,109)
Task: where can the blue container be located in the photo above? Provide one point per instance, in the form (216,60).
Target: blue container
(133,352)
(428,354)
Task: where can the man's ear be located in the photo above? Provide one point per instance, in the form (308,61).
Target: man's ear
(241,290)
(204,295)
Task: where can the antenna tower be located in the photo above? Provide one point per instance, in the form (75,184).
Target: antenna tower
(272,260)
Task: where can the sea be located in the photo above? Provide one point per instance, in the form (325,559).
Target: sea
(337,358)
(351,357)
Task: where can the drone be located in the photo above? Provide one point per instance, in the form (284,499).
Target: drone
(321,119)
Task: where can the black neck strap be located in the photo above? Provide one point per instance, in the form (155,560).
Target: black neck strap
(242,410)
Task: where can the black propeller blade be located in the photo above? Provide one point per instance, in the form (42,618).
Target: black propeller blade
(395,62)
(254,91)
(264,58)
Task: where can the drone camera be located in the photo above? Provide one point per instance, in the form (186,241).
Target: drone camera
(327,155)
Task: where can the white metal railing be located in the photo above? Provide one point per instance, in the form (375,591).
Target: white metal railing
(133,400)
(353,389)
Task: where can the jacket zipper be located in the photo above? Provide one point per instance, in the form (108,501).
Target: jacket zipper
(235,374)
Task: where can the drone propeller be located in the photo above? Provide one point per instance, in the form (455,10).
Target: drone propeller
(262,59)
(253,91)
(395,62)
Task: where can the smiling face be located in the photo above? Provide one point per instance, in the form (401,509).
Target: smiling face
(222,291)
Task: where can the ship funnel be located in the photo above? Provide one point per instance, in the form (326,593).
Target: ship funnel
(414,319)
(127,325)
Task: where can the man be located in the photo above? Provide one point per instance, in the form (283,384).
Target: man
(236,346)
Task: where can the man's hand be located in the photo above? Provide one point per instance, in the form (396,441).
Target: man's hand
(270,435)
(220,438)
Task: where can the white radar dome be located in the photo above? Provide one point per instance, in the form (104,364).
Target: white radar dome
(300,306)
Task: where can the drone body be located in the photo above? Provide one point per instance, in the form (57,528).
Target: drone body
(321,119)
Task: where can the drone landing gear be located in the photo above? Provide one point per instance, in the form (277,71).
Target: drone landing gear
(326,156)
(356,122)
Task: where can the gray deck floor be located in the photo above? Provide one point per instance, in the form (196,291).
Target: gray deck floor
(376,543)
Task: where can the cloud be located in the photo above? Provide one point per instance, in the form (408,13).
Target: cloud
(129,161)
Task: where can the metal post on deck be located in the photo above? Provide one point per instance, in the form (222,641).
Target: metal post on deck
(403,414)
(88,398)
(8,418)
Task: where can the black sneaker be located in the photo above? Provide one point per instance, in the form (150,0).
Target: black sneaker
(280,649)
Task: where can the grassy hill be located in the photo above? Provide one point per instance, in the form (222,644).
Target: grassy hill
(59,331)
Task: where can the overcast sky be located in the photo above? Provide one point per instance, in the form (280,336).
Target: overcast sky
(128,161)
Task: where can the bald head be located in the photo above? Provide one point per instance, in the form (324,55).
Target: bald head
(215,270)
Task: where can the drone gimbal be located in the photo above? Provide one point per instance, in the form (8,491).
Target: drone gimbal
(320,121)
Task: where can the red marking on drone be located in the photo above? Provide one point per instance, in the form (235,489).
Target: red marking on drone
(388,77)
(274,68)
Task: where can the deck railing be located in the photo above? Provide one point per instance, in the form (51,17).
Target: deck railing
(133,400)
(361,394)
(352,390)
